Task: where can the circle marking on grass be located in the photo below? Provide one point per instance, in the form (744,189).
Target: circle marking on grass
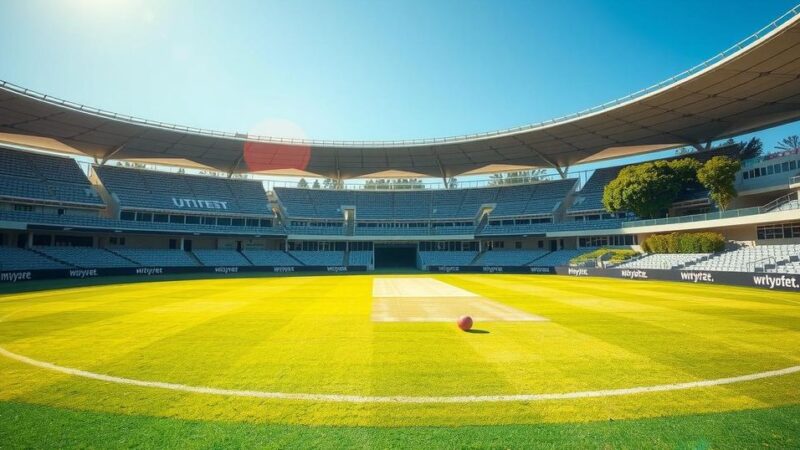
(342,398)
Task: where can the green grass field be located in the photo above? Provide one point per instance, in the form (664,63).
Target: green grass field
(314,335)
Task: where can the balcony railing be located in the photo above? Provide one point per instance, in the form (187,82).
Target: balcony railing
(786,200)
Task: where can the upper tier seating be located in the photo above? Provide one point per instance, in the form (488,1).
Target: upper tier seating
(501,257)
(147,189)
(221,258)
(590,197)
(663,261)
(36,177)
(13,258)
(87,221)
(447,258)
(750,259)
(319,258)
(521,200)
(270,258)
(86,257)
(157,257)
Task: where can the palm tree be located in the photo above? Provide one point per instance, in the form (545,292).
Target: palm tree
(750,149)
(789,144)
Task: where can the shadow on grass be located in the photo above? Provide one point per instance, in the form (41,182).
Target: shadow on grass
(476,331)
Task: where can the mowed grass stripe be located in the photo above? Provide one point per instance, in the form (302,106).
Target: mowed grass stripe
(314,334)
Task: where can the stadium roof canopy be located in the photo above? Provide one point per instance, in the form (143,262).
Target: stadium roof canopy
(751,86)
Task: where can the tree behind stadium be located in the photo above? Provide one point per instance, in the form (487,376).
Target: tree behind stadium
(718,175)
(650,188)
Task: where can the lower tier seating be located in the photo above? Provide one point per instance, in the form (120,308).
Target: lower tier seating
(319,258)
(13,258)
(447,258)
(361,258)
(221,258)
(751,259)
(158,257)
(85,257)
(508,257)
(270,258)
(663,261)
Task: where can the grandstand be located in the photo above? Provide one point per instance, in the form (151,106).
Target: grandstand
(270,258)
(319,258)
(761,258)
(150,190)
(447,258)
(508,257)
(152,257)
(222,258)
(664,261)
(46,179)
(543,223)
(84,257)
(12,258)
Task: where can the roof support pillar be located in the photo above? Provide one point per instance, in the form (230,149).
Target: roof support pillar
(108,155)
(561,172)
(236,165)
(442,172)
(700,147)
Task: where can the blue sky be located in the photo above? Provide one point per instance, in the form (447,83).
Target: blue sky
(363,69)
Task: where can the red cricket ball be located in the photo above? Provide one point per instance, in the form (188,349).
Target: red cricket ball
(465,323)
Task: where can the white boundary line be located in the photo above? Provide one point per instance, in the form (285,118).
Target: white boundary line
(398,399)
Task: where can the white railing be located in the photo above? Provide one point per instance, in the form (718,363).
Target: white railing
(719,214)
(424,185)
(751,266)
(783,19)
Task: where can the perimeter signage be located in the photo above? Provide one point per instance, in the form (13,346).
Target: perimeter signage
(774,281)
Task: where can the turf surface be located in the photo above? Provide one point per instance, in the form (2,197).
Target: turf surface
(314,335)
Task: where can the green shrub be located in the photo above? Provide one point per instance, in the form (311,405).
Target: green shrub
(617,255)
(703,242)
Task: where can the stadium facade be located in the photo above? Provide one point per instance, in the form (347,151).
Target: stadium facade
(57,220)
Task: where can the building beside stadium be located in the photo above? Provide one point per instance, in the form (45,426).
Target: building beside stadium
(119,215)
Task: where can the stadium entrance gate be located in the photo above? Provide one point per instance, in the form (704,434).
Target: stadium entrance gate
(391,255)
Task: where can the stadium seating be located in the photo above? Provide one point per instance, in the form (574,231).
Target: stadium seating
(590,197)
(147,189)
(502,257)
(270,258)
(447,258)
(157,257)
(221,258)
(751,259)
(13,258)
(663,261)
(43,178)
(85,257)
(520,200)
(360,258)
(319,258)
(86,221)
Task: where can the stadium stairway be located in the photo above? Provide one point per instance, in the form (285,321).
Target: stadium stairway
(45,255)
(123,257)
